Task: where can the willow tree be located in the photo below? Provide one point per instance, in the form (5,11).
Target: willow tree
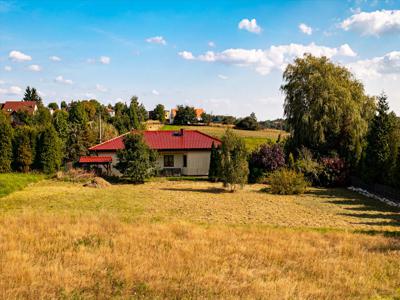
(326,108)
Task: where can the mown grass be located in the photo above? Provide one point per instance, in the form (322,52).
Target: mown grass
(253,139)
(190,239)
(11,182)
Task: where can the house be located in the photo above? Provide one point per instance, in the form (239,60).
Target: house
(184,152)
(12,107)
(197,111)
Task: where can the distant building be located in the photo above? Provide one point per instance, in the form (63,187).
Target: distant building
(111,112)
(12,107)
(198,112)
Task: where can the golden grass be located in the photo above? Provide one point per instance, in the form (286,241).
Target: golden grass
(191,240)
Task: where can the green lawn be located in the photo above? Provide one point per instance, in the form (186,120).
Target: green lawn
(253,139)
(10,182)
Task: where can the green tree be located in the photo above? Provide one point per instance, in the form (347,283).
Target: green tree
(134,113)
(6,134)
(77,142)
(23,149)
(121,121)
(64,105)
(185,115)
(206,118)
(326,108)
(77,113)
(158,113)
(49,147)
(214,172)
(234,165)
(137,160)
(32,95)
(42,117)
(378,161)
(248,123)
(53,106)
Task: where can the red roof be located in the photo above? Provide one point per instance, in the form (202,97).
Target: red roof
(165,140)
(11,106)
(95,159)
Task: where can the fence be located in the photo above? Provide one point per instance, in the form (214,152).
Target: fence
(377,189)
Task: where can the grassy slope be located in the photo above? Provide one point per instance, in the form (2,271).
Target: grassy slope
(11,182)
(190,239)
(252,138)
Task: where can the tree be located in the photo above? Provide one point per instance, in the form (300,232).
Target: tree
(264,160)
(77,113)
(32,95)
(23,149)
(137,160)
(6,134)
(134,113)
(234,166)
(42,117)
(159,113)
(378,162)
(248,123)
(77,142)
(326,108)
(185,115)
(64,105)
(60,123)
(49,148)
(214,172)
(53,106)
(206,118)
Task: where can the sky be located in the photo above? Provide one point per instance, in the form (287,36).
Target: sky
(224,56)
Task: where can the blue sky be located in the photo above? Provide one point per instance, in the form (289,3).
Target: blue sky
(224,56)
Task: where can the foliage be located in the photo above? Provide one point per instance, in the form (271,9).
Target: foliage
(326,108)
(159,113)
(307,165)
(42,117)
(6,135)
(60,123)
(53,105)
(23,148)
(49,147)
(264,160)
(248,123)
(334,172)
(287,182)
(206,118)
(214,172)
(63,105)
(234,166)
(32,95)
(379,161)
(137,160)
(137,114)
(77,113)
(77,142)
(185,115)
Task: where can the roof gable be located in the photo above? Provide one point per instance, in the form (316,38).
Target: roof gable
(12,106)
(165,140)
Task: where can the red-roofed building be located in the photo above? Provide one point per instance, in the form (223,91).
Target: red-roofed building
(184,152)
(11,107)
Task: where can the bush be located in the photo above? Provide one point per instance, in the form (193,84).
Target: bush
(334,172)
(287,182)
(308,166)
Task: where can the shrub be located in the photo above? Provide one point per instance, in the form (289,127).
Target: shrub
(287,182)
(264,160)
(334,172)
(308,166)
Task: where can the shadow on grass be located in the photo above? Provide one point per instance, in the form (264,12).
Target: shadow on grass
(208,190)
(360,207)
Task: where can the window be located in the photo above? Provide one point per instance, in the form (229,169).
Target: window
(184,160)
(168,160)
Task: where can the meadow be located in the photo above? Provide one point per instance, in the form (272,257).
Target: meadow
(253,139)
(191,239)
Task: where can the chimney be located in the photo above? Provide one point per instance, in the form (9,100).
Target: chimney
(181,132)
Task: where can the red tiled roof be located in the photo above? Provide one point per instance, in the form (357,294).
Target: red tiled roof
(95,159)
(11,106)
(165,140)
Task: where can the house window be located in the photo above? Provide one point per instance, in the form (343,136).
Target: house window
(184,160)
(168,160)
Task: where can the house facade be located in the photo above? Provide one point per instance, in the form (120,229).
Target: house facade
(184,152)
(12,107)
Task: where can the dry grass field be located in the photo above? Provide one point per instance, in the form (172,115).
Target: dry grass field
(187,239)
(252,138)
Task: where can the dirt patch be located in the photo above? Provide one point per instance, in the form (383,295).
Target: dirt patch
(98,182)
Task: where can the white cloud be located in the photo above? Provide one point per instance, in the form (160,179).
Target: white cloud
(35,68)
(374,23)
(155,92)
(19,56)
(12,90)
(223,77)
(264,61)
(186,55)
(105,60)
(90,95)
(376,67)
(249,25)
(7,68)
(305,29)
(101,88)
(157,40)
(54,58)
(61,79)
(211,44)
(2,82)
